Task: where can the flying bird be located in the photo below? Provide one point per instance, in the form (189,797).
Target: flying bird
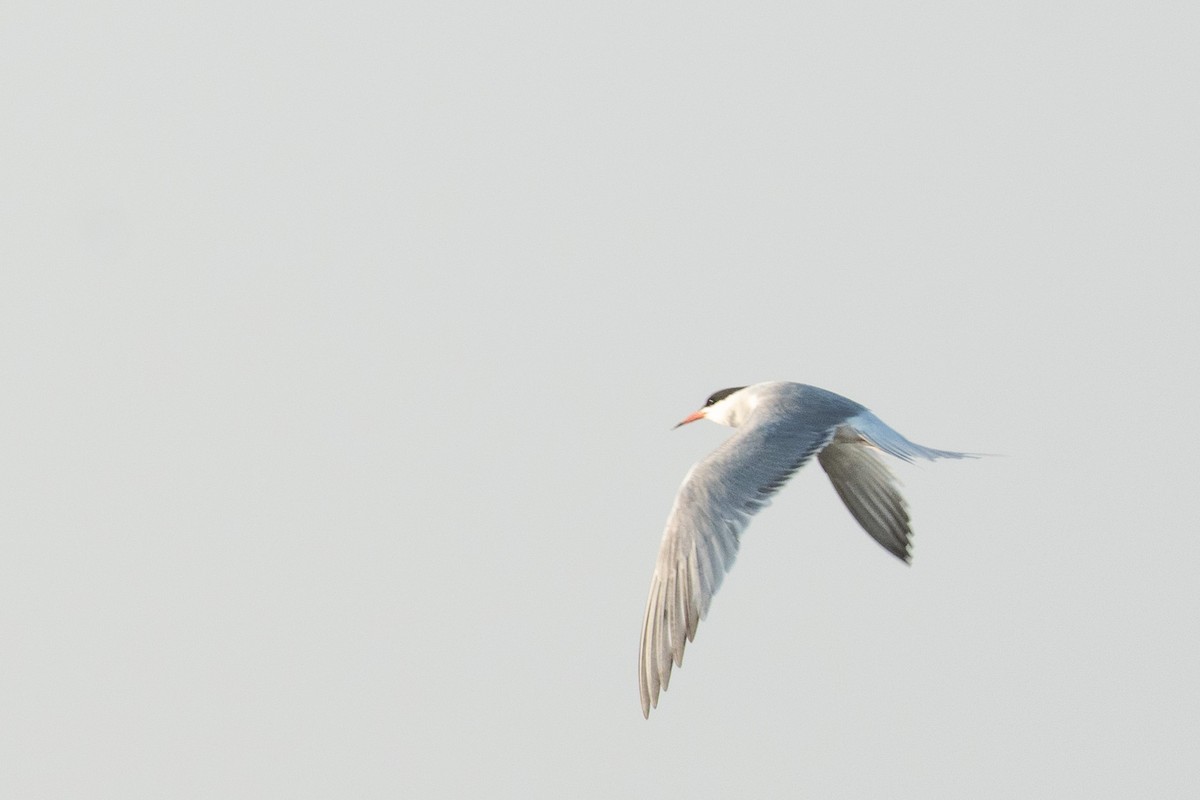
(780,426)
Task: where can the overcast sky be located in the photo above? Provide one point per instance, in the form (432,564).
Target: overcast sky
(341,345)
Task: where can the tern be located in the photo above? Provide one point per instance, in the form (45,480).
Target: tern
(780,426)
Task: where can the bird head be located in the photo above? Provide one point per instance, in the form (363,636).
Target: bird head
(726,407)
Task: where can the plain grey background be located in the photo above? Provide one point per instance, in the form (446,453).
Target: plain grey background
(341,344)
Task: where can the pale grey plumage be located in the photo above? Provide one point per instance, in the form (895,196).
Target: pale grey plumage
(780,426)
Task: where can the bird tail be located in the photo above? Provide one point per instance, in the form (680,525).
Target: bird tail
(883,436)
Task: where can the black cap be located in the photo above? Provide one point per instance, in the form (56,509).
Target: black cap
(717,397)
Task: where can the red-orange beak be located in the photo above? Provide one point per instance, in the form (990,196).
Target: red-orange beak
(695,415)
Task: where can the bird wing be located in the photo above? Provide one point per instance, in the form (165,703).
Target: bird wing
(714,505)
(868,489)
(866,485)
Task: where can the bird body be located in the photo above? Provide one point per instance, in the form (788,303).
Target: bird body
(779,427)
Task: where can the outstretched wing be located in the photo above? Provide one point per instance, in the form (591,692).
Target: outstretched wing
(868,489)
(713,507)
(867,486)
